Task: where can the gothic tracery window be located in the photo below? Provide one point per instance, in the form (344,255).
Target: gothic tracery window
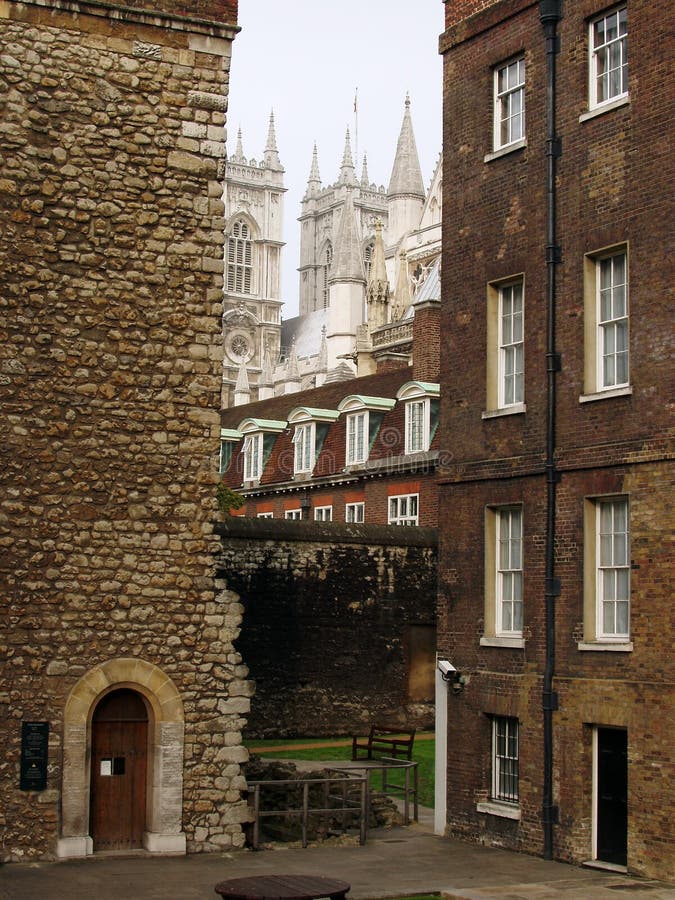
(325,273)
(240,259)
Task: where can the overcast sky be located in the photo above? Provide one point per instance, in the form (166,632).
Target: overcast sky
(305,59)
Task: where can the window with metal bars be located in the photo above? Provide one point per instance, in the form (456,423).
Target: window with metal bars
(505,759)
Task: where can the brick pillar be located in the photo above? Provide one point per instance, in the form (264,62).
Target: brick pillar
(427,341)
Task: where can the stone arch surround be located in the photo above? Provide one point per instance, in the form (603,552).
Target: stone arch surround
(165,755)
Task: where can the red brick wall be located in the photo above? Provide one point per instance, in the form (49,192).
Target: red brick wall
(427,342)
(614,182)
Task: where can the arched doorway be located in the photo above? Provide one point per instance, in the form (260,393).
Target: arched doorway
(119,762)
(163,831)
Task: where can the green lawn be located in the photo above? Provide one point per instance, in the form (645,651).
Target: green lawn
(423,754)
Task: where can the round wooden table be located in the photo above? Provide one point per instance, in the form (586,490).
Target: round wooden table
(282,887)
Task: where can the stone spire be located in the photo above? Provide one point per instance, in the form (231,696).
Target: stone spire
(242,389)
(292,384)
(314,180)
(347,173)
(271,153)
(323,351)
(347,259)
(238,156)
(406,174)
(292,364)
(377,292)
(402,299)
(364,173)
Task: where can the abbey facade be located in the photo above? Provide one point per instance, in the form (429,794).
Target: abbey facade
(368,254)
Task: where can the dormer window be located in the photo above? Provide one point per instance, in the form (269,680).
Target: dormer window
(310,429)
(252,457)
(421,414)
(229,438)
(303,440)
(362,422)
(259,437)
(357,429)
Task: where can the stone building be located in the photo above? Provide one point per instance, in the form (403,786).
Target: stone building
(121,695)
(555,604)
(254,194)
(341,224)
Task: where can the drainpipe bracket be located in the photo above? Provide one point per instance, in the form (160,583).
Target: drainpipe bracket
(554,147)
(550,701)
(553,587)
(553,253)
(550,815)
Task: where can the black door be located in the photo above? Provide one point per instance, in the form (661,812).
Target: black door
(612,795)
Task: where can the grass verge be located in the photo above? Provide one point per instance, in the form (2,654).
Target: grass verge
(325,749)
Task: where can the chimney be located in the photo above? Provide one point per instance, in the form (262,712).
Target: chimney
(427,341)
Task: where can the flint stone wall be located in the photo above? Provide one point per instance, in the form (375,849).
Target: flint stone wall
(327,610)
(112,145)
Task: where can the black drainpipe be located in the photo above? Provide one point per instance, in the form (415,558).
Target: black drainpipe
(550,12)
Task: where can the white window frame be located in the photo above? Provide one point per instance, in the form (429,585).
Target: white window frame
(612,316)
(355,512)
(505,760)
(601,50)
(509,123)
(509,572)
(403,509)
(500,580)
(304,443)
(253,449)
(613,569)
(356,427)
(607,568)
(294,514)
(417,425)
(323,513)
(598,328)
(511,327)
(265,515)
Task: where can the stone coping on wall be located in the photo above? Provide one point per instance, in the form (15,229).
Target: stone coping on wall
(142,13)
(249,528)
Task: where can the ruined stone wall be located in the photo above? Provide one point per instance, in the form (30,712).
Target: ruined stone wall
(329,611)
(112,143)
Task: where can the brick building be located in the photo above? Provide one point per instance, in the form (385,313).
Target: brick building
(556,510)
(360,450)
(121,696)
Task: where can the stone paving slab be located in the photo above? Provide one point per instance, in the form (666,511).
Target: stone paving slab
(394,863)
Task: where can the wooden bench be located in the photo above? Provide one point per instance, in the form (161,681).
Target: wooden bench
(384,741)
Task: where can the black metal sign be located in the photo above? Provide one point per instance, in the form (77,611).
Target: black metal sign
(34,754)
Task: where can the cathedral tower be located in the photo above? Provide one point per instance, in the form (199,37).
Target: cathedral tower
(253,240)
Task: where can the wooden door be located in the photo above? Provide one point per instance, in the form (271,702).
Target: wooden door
(118,771)
(612,811)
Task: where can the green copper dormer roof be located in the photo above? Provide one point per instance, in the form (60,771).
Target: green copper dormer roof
(230,434)
(312,414)
(412,389)
(359,401)
(248,425)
